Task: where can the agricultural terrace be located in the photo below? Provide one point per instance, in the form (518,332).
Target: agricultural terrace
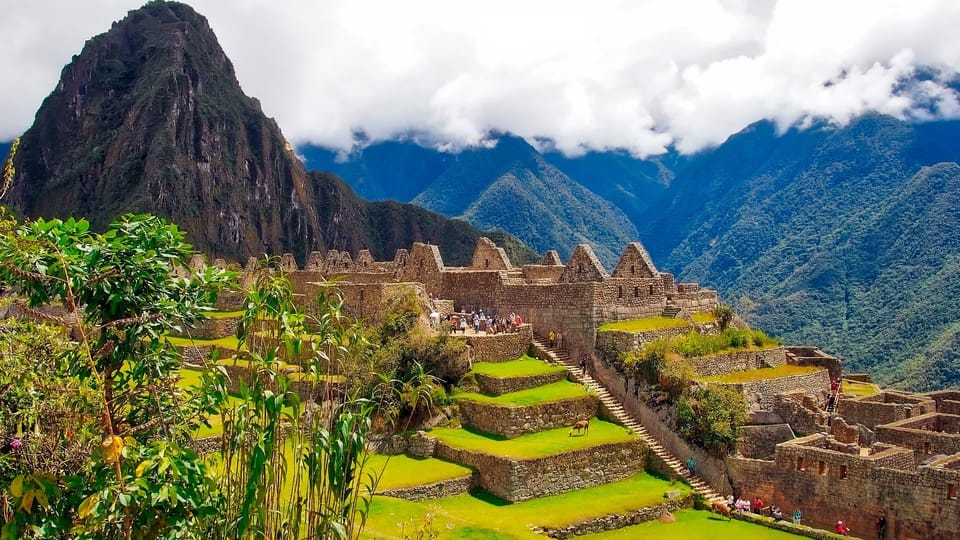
(534,445)
(761,374)
(481,515)
(557,391)
(643,325)
(525,366)
(692,524)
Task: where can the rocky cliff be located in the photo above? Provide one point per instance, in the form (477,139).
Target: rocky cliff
(149,117)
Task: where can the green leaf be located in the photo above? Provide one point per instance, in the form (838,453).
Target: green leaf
(16,488)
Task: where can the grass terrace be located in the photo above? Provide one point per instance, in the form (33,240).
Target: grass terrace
(557,391)
(761,374)
(703,317)
(534,445)
(227,342)
(643,325)
(402,471)
(479,515)
(858,388)
(525,366)
(223,314)
(692,524)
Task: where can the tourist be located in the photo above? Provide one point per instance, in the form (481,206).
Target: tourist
(881,527)
(463,325)
(691,465)
(730,501)
(757,505)
(559,340)
(796,516)
(553,339)
(842,529)
(776,513)
(583,368)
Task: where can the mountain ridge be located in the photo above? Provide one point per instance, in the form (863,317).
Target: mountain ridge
(150,117)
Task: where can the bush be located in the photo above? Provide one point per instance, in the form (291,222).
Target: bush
(677,377)
(711,418)
(649,362)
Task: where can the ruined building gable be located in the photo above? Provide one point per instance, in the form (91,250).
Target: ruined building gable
(364,260)
(552,258)
(314,262)
(487,256)
(583,266)
(635,263)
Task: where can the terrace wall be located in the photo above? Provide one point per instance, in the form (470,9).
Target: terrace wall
(737,361)
(926,435)
(513,422)
(520,480)
(885,408)
(503,347)
(497,386)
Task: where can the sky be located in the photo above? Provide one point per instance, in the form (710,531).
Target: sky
(574,75)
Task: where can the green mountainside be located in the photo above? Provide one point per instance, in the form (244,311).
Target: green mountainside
(846,238)
(510,186)
(149,117)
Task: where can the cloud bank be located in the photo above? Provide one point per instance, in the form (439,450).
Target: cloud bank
(636,75)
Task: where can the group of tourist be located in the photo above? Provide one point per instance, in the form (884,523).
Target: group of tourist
(478,321)
(556,339)
(757,506)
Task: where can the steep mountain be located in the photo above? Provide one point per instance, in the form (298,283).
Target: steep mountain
(150,117)
(509,186)
(628,182)
(848,238)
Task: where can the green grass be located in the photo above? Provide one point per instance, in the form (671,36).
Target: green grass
(534,445)
(702,317)
(760,374)
(481,515)
(557,391)
(859,388)
(524,366)
(643,325)
(405,471)
(693,524)
(223,314)
(227,342)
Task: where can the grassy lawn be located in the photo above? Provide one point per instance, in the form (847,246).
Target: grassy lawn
(557,391)
(761,374)
(534,445)
(481,515)
(524,366)
(227,342)
(223,314)
(859,388)
(693,524)
(702,317)
(642,325)
(406,471)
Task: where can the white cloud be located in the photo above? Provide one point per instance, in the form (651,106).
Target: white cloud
(638,75)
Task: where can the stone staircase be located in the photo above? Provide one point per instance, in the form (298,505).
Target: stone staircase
(616,408)
(671,312)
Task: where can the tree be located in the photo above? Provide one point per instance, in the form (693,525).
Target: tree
(711,417)
(121,292)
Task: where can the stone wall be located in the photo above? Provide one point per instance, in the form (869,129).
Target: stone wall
(212,328)
(540,272)
(628,341)
(733,362)
(512,422)
(812,356)
(760,394)
(498,347)
(435,490)
(497,386)
(520,480)
(615,521)
(915,500)
(926,435)
(885,408)
(760,442)
(803,411)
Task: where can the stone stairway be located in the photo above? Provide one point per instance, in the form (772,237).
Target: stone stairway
(671,312)
(616,408)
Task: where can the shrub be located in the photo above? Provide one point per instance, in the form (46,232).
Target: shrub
(677,377)
(711,418)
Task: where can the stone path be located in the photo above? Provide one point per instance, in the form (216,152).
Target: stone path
(616,408)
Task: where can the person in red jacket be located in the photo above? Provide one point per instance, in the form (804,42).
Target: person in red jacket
(842,529)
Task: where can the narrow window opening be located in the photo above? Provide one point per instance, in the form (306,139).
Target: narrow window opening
(636,292)
(822,468)
(633,269)
(619,291)
(843,471)
(486,263)
(927,449)
(952,492)
(799,463)
(651,290)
